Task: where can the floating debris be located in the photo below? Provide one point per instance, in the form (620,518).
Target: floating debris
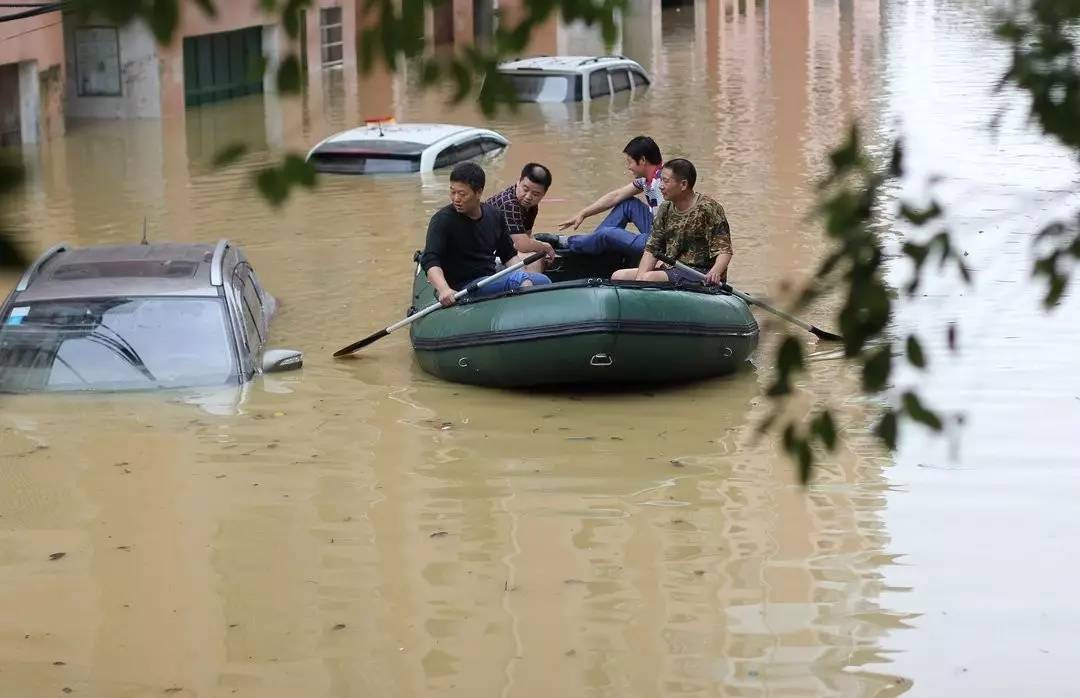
(57,556)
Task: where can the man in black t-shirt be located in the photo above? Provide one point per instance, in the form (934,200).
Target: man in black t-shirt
(461,237)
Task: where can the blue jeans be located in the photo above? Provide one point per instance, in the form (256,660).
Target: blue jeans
(612,234)
(510,282)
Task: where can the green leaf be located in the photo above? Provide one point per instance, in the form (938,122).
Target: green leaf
(847,155)
(806,461)
(825,428)
(886,429)
(920,217)
(915,353)
(789,360)
(230,154)
(11,257)
(163,17)
(1058,283)
(207,7)
(919,413)
(272,186)
(11,174)
(877,365)
(290,17)
(296,171)
(896,163)
(288,77)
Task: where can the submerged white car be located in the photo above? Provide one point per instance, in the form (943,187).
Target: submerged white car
(573,78)
(387,148)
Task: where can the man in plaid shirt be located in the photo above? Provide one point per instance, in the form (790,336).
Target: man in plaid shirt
(519,204)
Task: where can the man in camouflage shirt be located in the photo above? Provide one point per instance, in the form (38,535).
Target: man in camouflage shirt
(689,227)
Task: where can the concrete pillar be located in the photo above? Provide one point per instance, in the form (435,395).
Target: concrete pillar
(545,38)
(577,39)
(375,88)
(712,37)
(271,47)
(483,21)
(463,22)
(29,101)
(641,32)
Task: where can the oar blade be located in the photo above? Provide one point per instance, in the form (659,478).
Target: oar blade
(825,334)
(357,346)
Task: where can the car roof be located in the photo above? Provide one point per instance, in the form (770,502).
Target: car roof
(157,269)
(574,64)
(422,135)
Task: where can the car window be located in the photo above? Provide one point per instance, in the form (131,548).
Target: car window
(249,312)
(598,84)
(358,163)
(448,156)
(620,80)
(454,154)
(639,79)
(116,344)
(540,88)
(490,145)
(256,301)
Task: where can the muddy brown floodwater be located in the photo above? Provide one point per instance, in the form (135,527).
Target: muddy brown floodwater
(362,529)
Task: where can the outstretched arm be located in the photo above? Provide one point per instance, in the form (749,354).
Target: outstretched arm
(602,204)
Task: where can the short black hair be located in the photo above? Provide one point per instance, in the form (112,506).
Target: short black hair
(643,147)
(537,173)
(469,173)
(682,169)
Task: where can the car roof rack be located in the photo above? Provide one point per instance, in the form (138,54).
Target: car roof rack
(24,282)
(216,262)
(597,59)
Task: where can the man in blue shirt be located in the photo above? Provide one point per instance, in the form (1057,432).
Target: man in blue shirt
(644,162)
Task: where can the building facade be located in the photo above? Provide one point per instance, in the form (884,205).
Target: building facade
(31,76)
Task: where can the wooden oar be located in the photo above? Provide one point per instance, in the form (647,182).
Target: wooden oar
(816,331)
(356,346)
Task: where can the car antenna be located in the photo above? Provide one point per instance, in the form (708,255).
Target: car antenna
(144,240)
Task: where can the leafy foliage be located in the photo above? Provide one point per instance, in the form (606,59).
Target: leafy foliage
(1044,65)
(1042,36)
(11,174)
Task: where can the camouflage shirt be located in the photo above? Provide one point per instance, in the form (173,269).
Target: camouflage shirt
(695,236)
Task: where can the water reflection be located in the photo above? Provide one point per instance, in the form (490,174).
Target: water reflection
(363,529)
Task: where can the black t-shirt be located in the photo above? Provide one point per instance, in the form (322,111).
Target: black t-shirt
(463,247)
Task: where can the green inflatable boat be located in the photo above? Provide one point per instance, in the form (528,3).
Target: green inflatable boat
(584,328)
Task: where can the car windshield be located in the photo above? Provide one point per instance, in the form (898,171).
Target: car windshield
(540,88)
(115,344)
(367,157)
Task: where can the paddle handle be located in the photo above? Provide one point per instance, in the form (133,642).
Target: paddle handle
(750,300)
(376,336)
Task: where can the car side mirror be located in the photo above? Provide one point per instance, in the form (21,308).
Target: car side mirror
(278,360)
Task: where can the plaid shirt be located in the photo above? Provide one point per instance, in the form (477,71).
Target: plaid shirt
(519,220)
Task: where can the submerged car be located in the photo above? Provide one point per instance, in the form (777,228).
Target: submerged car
(137,317)
(572,78)
(388,148)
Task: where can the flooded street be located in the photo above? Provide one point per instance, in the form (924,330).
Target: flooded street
(360,528)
